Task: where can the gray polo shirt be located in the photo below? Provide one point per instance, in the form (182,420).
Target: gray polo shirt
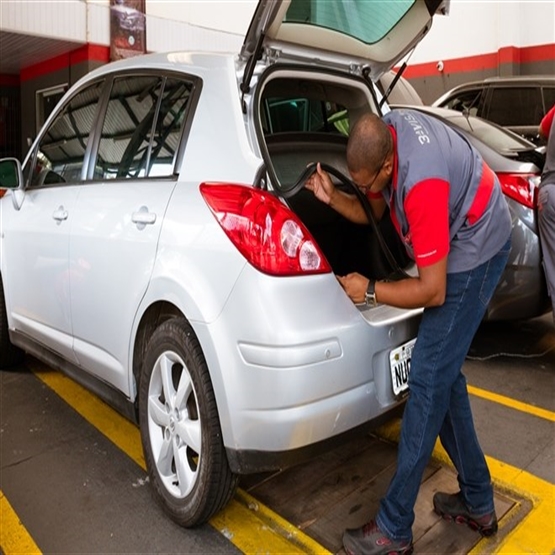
(432,155)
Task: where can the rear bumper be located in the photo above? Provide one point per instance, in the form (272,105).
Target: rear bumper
(295,365)
(252,461)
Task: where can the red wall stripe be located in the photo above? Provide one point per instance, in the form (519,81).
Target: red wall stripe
(509,54)
(90,52)
(85,53)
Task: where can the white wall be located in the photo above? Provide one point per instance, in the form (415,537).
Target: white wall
(38,18)
(485,26)
(171,25)
(226,15)
(472,27)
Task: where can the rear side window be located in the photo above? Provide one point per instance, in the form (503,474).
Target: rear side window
(515,105)
(142,127)
(61,150)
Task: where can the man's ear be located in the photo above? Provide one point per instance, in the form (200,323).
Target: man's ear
(388,164)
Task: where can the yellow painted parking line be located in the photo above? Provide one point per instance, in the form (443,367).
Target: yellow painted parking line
(14,538)
(512,403)
(249,525)
(535,534)
(115,427)
(246,522)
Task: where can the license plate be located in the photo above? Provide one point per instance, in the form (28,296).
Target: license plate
(399,363)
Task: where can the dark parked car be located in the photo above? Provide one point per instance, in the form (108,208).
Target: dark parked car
(517,162)
(518,103)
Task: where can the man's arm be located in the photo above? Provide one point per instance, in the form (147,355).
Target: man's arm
(426,290)
(346,204)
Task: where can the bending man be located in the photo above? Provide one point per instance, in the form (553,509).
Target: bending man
(448,208)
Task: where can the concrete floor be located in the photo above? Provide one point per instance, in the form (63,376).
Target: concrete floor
(74,491)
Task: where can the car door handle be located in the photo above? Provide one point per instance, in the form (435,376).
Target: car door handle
(143,217)
(60,214)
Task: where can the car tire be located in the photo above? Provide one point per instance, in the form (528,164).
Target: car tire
(10,355)
(180,429)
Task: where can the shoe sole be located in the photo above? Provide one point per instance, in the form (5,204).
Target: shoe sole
(485,531)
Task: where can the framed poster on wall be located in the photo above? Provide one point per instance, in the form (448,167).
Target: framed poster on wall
(127,28)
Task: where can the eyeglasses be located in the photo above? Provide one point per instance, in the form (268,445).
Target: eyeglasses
(368,186)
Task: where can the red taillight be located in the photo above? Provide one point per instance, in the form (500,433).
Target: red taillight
(521,187)
(265,231)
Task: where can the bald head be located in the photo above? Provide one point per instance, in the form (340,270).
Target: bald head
(369,143)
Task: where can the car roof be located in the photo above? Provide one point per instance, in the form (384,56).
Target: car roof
(512,80)
(184,61)
(521,78)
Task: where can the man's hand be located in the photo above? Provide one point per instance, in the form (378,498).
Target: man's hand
(355,286)
(320,184)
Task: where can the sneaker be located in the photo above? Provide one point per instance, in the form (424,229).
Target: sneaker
(452,507)
(370,540)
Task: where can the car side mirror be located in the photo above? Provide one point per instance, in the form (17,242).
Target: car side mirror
(11,178)
(11,175)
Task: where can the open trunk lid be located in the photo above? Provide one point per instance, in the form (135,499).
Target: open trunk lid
(373,33)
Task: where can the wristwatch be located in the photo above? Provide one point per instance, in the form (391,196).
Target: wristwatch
(370,296)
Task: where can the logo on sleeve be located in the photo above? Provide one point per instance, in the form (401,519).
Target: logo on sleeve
(419,130)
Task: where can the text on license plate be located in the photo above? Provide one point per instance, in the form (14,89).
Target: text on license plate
(399,363)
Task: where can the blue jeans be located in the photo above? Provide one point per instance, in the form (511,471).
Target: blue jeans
(438,402)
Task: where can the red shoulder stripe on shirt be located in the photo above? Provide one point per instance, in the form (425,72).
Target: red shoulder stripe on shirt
(427,211)
(483,194)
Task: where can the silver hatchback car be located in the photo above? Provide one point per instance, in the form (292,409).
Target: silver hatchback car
(159,247)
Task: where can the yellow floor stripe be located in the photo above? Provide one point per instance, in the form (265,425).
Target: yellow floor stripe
(14,538)
(249,525)
(512,403)
(535,534)
(253,528)
(115,427)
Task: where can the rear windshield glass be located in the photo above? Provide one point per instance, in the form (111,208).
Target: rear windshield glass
(495,137)
(367,20)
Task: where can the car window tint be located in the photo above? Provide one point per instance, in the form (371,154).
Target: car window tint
(496,137)
(515,105)
(142,127)
(61,149)
(286,114)
(366,21)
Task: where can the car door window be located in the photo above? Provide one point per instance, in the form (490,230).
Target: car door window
(510,106)
(142,127)
(60,153)
(467,102)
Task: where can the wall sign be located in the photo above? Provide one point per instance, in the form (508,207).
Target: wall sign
(127,28)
